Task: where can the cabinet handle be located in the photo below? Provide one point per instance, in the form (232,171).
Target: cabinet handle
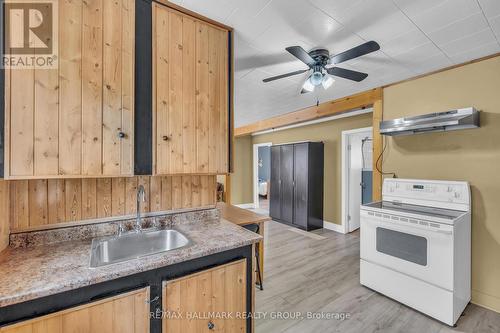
(121,135)
(211,325)
(165,138)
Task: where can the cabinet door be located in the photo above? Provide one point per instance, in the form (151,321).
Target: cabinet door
(220,291)
(274,189)
(76,119)
(191,87)
(126,313)
(287,184)
(301,172)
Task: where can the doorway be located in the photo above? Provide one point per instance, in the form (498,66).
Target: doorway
(261,175)
(357,156)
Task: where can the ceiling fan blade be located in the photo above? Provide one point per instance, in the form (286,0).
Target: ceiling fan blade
(285,75)
(301,54)
(347,74)
(304,91)
(355,52)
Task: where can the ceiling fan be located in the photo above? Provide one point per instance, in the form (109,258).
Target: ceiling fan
(320,63)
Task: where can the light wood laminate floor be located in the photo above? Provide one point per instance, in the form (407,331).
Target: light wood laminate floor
(311,274)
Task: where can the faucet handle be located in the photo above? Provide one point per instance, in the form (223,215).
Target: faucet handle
(121,229)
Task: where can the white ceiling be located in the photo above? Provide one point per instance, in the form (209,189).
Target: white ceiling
(416,37)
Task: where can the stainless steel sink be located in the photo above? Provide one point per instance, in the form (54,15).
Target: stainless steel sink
(132,245)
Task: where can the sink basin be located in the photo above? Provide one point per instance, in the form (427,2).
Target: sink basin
(110,250)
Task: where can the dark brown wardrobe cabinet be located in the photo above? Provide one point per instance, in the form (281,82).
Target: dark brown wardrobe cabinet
(296,191)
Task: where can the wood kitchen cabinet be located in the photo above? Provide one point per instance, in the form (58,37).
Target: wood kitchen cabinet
(76,120)
(190,94)
(189,301)
(124,313)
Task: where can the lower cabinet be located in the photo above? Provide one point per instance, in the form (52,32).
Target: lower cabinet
(210,300)
(124,313)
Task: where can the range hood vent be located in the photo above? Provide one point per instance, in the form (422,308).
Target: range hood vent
(432,122)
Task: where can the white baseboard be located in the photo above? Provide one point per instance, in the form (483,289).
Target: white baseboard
(246,206)
(334,227)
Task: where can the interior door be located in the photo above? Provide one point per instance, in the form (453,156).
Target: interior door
(287,184)
(300,190)
(354,176)
(275,188)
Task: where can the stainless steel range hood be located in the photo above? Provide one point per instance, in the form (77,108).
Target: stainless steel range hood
(432,122)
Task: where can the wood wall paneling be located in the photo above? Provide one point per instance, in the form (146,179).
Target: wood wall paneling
(122,313)
(40,203)
(70,87)
(66,122)
(92,91)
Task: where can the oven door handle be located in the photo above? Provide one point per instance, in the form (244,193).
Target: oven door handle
(406,225)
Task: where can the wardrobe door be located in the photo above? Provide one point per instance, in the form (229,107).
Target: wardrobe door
(287,183)
(301,185)
(274,189)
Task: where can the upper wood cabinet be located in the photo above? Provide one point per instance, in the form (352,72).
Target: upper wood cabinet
(76,120)
(191,94)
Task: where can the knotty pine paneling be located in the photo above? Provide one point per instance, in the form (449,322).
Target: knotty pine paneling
(67,122)
(38,202)
(191,86)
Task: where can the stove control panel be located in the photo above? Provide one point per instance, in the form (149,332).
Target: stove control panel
(443,194)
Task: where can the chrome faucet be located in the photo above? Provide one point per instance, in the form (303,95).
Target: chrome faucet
(141,196)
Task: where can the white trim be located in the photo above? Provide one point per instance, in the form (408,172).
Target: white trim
(334,227)
(317,121)
(345,167)
(246,206)
(255,177)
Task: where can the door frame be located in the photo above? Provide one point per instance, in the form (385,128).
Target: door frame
(344,226)
(255,176)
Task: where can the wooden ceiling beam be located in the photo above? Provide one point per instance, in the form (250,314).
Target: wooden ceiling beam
(341,105)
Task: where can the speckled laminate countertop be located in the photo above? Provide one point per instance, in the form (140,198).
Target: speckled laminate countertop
(42,270)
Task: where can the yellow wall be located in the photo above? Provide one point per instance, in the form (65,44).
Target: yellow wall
(328,132)
(241,179)
(471,155)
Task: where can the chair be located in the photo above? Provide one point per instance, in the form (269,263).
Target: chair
(254,227)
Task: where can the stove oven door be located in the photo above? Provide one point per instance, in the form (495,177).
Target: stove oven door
(419,249)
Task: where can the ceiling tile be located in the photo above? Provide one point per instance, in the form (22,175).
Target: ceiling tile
(405,42)
(459,29)
(431,64)
(445,14)
(476,53)
(491,8)
(376,19)
(415,7)
(473,41)
(495,25)
(218,10)
(417,54)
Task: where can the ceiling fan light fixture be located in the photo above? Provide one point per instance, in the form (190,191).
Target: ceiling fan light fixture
(327,81)
(316,78)
(308,86)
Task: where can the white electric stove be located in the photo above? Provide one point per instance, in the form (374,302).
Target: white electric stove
(416,245)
